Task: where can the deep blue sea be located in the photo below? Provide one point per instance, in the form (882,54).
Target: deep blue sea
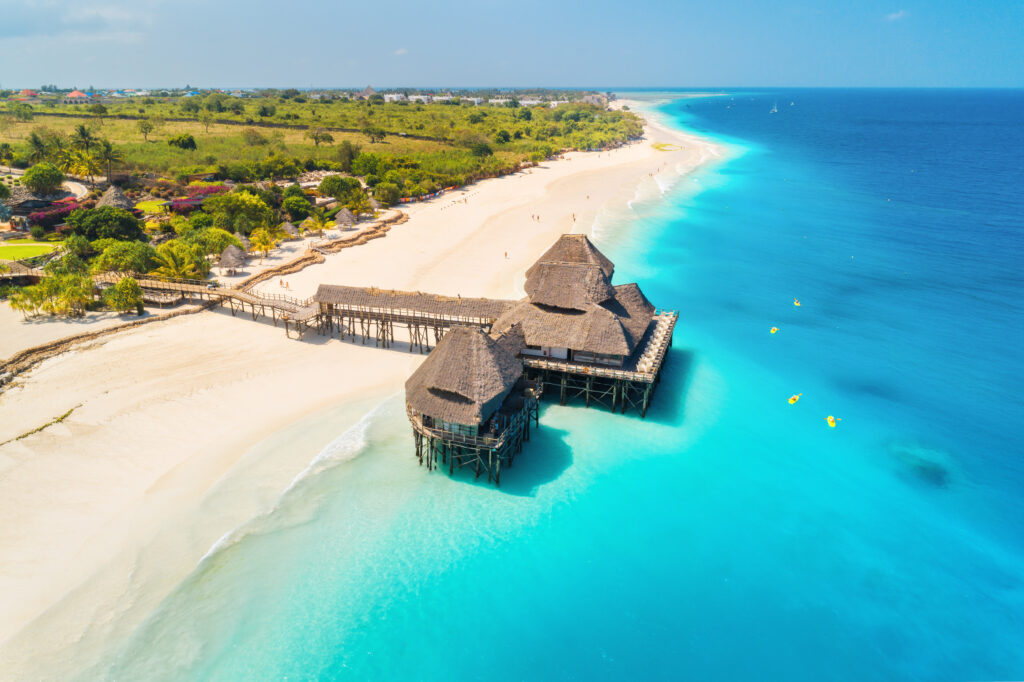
(730,535)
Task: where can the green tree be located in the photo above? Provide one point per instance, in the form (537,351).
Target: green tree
(5,193)
(481,149)
(145,127)
(340,187)
(359,203)
(6,155)
(43,178)
(375,133)
(502,137)
(124,296)
(184,141)
(239,212)
(212,240)
(98,110)
(83,138)
(387,193)
(261,240)
(108,154)
(121,256)
(177,260)
(20,111)
(347,152)
(38,149)
(297,208)
(206,118)
(317,221)
(319,135)
(253,138)
(266,110)
(105,222)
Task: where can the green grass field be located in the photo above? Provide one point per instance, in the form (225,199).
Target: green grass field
(16,249)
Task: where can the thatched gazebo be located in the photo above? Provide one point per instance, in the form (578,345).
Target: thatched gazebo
(232,258)
(374,204)
(344,218)
(468,402)
(290,230)
(115,198)
(242,238)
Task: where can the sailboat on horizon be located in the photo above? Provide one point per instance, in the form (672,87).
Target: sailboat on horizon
(775,108)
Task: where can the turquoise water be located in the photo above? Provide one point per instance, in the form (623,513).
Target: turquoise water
(729,534)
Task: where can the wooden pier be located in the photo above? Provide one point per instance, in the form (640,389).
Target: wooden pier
(370,313)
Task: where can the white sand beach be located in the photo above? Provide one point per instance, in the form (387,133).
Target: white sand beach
(166,448)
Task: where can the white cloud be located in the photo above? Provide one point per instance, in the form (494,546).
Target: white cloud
(401,52)
(896,16)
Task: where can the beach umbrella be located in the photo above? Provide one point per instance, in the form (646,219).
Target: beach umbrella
(232,258)
(115,198)
(345,218)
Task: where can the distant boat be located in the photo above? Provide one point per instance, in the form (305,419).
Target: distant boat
(775,108)
(792,104)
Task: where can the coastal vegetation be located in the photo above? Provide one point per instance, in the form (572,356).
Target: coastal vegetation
(414,148)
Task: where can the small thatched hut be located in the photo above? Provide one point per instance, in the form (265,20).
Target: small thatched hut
(115,198)
(231,258)
(462,383)
(242,238)
(290,230)
(345,218)
(374,204)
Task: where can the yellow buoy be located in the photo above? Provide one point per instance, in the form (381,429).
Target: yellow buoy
(774,329)
(794,398)
(832,421)
(796,302)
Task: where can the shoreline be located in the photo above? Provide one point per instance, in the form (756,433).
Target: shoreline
(117,493)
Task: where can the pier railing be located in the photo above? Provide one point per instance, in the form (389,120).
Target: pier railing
(495,443)
(648,364)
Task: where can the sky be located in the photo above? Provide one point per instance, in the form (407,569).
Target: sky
(526,43)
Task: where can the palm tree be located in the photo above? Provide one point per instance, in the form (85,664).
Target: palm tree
(109,154)
(83,138)
(85,164)
(175,264)
(38,149)
(316,221)
(261,240)
(360,204)
(6,154)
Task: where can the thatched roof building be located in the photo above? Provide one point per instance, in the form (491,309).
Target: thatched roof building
(232,258)
(573,312)
(115,198)
(242,238)
(345,218)
(290,230)
(575,248)
(464,380)
(24,200)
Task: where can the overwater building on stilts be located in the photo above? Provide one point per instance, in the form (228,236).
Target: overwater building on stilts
(469,403)
(584,337)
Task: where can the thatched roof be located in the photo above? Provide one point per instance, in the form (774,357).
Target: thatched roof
(374,204)
(345,217)
(433,304)
(575,248)
(290,229)
(242,238)
(116,198)
(615,326)
(232,257)
(568,285)
(12,268)
(464,379)
(22,195)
